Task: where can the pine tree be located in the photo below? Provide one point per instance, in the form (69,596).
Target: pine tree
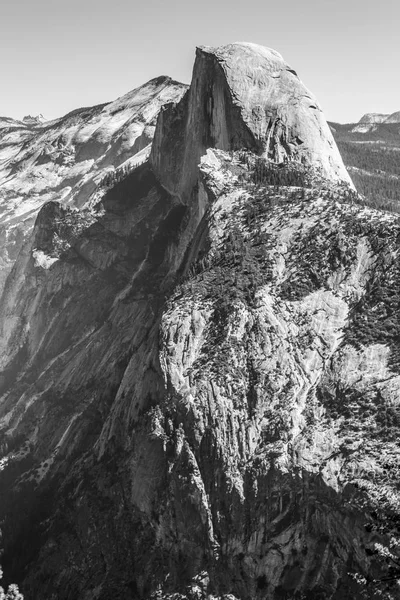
(12,593)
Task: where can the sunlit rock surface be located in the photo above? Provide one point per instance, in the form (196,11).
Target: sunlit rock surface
(373,118)
(200,369)
(370,121)
(67,159)
(244,95)
(393,118)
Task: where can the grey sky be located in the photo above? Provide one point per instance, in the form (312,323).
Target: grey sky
(59,55)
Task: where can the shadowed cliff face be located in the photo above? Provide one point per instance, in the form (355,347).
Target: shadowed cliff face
(194,369)
(66,160)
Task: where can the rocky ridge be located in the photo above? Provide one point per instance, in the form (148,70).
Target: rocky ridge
(200,367)
(393,118)
(33,120)
(67,159)
(371,121)
(373,118)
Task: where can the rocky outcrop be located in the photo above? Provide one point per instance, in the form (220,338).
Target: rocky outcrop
(373,118)
(371,121)
(243,95)
(67,160)
(33,120)
(393,118)
(199,369)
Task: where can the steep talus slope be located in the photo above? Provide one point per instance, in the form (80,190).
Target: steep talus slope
(66,160)
(200,370)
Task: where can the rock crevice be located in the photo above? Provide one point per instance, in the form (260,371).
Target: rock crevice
(188,368)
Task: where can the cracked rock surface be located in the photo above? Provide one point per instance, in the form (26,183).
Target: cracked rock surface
(201,370)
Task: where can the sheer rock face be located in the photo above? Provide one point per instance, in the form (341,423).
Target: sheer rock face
(194,368)
(244,95)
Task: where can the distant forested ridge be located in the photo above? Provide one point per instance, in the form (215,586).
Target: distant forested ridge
(373,161)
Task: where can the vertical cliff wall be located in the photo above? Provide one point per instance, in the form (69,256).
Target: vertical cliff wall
(243,96)
(192,395)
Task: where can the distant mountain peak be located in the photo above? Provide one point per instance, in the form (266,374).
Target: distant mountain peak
(243,96)
(34,120)
(393,118)
(373,118)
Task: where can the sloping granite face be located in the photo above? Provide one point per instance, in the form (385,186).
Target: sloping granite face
(393,118)
(282,114)
(370,121)
(200,371)
(371,118)
(67,159)
(244,95)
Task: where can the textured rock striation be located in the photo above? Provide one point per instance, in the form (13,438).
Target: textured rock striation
(243,95)
(67,160)
(200,368)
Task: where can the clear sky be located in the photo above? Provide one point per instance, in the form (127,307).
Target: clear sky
(58,55)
